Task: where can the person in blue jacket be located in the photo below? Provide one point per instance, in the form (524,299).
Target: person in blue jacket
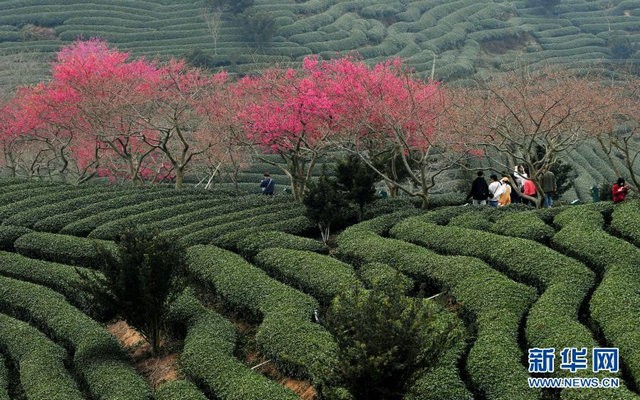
(268,185)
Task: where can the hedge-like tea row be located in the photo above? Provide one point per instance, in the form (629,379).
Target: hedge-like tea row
(62,278)
(321,276)
(51,197)
(442,382)
(383,276)
(625,221)
(286,335)
(4,379)
(30,216)
(293,226)
(55,223)
(192,223)
(252,244)
(98,358)
(208,234)
(84,226)
(472,220)
(179,390)
(497,303)
(41,362)
(9,234)
(552,319)
(27,191)
(207,356)
(240,207)
(526,225)
(615,304)
(63,249)
(112,230)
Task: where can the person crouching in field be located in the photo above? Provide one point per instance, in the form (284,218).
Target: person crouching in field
(479,191)
(267,184)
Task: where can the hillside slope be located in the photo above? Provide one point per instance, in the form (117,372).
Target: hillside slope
(465,36)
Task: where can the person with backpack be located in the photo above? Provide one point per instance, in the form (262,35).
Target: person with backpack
(267,184)
(505,195)
(479,191)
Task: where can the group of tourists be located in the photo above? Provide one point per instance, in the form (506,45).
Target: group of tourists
(518,187)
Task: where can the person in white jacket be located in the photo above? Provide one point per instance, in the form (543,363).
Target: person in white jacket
(495,190)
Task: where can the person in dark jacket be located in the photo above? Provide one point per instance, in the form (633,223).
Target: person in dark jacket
(267,184)
(479,190)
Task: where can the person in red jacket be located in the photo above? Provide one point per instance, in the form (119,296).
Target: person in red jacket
(619,190)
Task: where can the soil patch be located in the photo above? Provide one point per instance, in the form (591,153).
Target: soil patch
(156,370)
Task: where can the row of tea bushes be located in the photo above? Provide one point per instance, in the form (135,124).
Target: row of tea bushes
(553,319)
(55,223)
(286,334)
(84,226)
(179,389)
(254,243)
(64,279)
(319,275)
(43,375)
(98,358)
(4,379)
(112,230)
(296,225)
(497,303)
(625,221)
(64,249)
(615,304)
(207,356)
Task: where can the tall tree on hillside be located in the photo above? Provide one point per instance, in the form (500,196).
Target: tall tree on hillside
(621,144)
(396,116)
(521,112)
(176,115)
(292,113)
(106,88)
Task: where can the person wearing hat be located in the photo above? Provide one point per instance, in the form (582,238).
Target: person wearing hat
(505,196)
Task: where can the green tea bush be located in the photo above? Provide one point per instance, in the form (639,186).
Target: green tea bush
(33,214)
(497,302)
(615,302)
(526,225)
(384,276)
(320,276)
(208,358)
(626,220)
(4,379)
(63,249)
(98,358)
(179,389)
(56,223)
(9,234)
(564,283)
(286,334)
(84,226)
(59,277)
(42,371)
(208,234)
(300,225)
(472,219)
(112,230)
(254,243)
(242,207)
